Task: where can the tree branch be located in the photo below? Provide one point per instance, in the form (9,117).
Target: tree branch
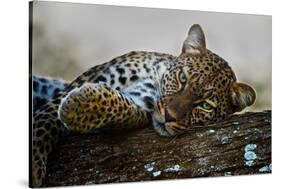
(236,146)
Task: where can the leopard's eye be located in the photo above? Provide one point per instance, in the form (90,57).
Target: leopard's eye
(205,105)
(182,77)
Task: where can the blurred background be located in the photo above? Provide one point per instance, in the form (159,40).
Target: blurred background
(68,38)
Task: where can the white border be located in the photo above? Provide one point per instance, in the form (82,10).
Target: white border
(14,91)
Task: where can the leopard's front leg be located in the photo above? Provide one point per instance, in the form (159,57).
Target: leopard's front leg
(95,106)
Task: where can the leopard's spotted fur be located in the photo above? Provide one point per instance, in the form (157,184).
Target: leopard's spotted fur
(45,88)
(141,88)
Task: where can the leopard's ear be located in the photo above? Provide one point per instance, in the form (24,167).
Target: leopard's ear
(242,95)
(195,42)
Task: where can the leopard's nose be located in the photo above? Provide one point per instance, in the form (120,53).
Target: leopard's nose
(169,117)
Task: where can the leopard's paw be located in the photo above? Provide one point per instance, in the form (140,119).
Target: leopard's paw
(83,108)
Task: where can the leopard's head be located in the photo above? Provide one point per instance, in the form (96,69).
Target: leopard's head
(199,88)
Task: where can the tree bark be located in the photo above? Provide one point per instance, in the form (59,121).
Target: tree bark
(239,145)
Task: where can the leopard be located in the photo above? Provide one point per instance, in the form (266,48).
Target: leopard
(172,94)
(43,88)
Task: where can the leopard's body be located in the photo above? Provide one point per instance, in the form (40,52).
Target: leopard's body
(45,88)
(139,89)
